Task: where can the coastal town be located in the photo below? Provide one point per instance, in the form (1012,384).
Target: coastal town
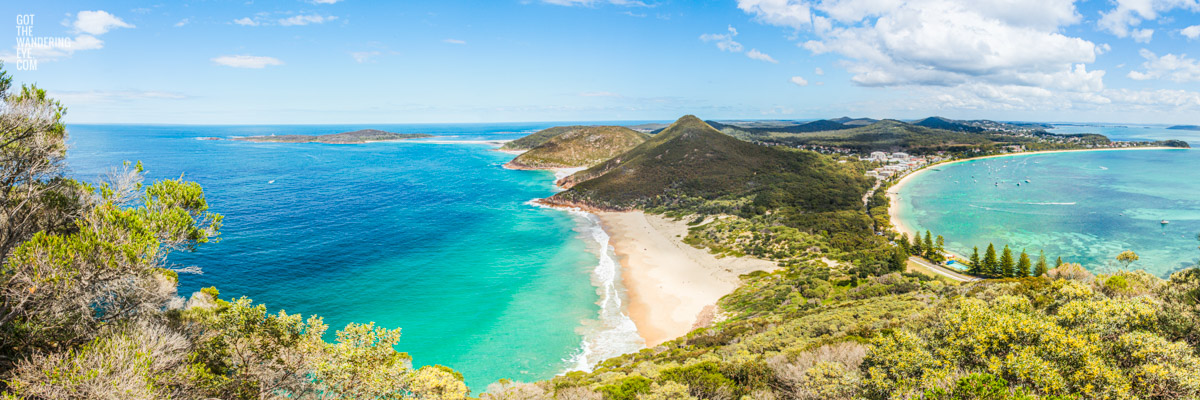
(898,163)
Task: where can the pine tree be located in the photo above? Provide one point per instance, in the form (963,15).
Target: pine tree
(975,269)
(1040,269)
(1006,263)
(899,259)
(928,245)
(1058,262)
(990,266)
(940,244)
(903,242)
(916,246)
(1023,265)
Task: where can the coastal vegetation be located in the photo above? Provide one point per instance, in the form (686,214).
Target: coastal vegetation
(89,310)
(812,332)
(355,137)
(583,146)
(89,307)
(533,140)
(780,198)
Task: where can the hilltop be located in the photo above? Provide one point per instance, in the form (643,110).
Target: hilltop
(780,126)
(947,124)
(578,146)
(355,137)
(537,138)
(691,164)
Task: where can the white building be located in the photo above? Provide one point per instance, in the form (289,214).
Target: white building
(878,156)
(899,157)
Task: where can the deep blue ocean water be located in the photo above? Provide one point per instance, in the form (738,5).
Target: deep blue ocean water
(436,239)
(1086,207)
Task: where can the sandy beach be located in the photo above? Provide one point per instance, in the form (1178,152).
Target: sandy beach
(669,283)
(893,193)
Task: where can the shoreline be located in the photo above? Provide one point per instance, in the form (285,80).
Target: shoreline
(672,287)
(669,287)
(893,192)
(612,332)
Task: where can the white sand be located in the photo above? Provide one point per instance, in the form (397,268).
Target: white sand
(669,283)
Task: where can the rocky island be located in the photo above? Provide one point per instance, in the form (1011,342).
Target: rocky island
(355,137)
(1185,127)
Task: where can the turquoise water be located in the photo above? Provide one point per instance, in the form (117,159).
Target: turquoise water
(436,239)
(1084,206)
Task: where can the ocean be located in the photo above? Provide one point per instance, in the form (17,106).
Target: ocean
(1086,207)
(433,238)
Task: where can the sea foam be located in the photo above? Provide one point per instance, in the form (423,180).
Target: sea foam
(612,333)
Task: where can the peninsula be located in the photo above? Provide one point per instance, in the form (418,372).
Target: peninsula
(355,137)
(578,147)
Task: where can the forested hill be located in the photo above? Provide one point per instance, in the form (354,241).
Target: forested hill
(539,137)
(582,146)
(691,163)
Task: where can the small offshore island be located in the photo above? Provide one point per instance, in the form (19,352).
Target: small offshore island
(355,137)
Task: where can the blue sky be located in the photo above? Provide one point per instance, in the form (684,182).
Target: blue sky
(357,61)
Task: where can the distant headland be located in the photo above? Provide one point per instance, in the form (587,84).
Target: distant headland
(1186,127)
(355,137)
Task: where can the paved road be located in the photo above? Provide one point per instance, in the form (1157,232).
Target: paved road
(940,270)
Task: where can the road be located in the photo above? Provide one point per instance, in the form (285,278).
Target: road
(940,270)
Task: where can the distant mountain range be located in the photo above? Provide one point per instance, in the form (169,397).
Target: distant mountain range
(843,123)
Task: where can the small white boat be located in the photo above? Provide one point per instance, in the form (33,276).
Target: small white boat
(1164,222)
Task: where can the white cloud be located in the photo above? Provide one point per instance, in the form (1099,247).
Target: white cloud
(724,40)
(87,25)
(956,54)
(181,23)
(599,94)
(799,81)
(97,22)
(758,55)
(819,71)
(107,96)
(247,61)
(364,56)
(1141,35)
(245,21)
(1176,68)
(1191,32)
(56,48)
(301,20)
(454,41)
(1158,99)
(790,13)
(1130,13)
(943,43)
